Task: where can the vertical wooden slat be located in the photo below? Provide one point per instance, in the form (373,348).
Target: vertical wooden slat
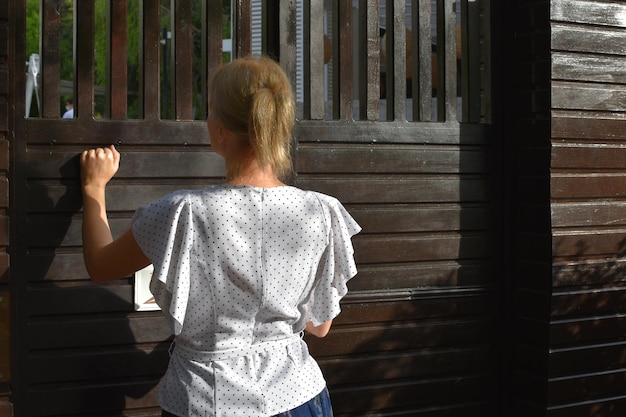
(441,62)
(447,46)
(117,85)
(345,61)
(50,61)
(84,46)
(18,54)
(149,71)
(287,34)
(395,45)
(422,70)
(399,55)
(211,47)
(470,61)
(307,55)
(389,63)
(486,76)
(335,63)
(243,27)
(313,77)
(182,51)
(369,56)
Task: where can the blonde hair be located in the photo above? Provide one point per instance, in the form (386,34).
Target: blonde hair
(252,96)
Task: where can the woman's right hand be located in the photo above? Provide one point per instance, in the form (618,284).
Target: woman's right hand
(98,166)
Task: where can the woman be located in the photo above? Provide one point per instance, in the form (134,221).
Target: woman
(240,269)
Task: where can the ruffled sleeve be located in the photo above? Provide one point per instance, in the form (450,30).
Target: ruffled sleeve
(336,266)
(164,231)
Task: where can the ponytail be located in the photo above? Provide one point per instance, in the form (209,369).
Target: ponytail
(253,97)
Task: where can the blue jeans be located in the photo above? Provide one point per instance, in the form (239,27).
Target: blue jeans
(318,406)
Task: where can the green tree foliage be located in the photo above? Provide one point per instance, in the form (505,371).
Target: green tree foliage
(32,27)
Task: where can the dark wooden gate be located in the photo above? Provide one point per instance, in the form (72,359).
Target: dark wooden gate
(403,142)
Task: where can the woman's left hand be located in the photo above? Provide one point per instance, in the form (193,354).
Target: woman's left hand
(98,166)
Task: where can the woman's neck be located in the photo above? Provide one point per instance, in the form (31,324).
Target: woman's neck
(250,173)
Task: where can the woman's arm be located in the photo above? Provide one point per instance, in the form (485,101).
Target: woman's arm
(105,258)
(319,331)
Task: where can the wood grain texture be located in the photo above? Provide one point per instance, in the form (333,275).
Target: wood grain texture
(586,324)
(422,314)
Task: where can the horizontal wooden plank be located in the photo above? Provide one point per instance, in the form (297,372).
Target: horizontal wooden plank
(51,300)
(611,406)
(58,332)
(596,329)
(583,359)
(404,336)
(423,275)
(588,156)
(596,302)
(447,410)
(588,186)
(423,363)
(588,96)
(120,196)
(578,38)
(606,13)
(62,230)
(590,68)
(107,398)
(588,126)
(127,329)
(407,218)
(597,271)
(579,244)
(135,163)
(123,196)
(56,231)
(392,159)
(427,392)
(400,189)
(589,214)
(51,266)
(97,365)
(392,132)
(104,132)
(185,133)
(127,197)
(411,248)
(415,305)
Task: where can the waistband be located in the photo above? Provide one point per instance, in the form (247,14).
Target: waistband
(220,355)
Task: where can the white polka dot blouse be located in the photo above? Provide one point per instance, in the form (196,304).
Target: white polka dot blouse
(239,271)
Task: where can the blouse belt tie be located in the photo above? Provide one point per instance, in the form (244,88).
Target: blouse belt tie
(220,355)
